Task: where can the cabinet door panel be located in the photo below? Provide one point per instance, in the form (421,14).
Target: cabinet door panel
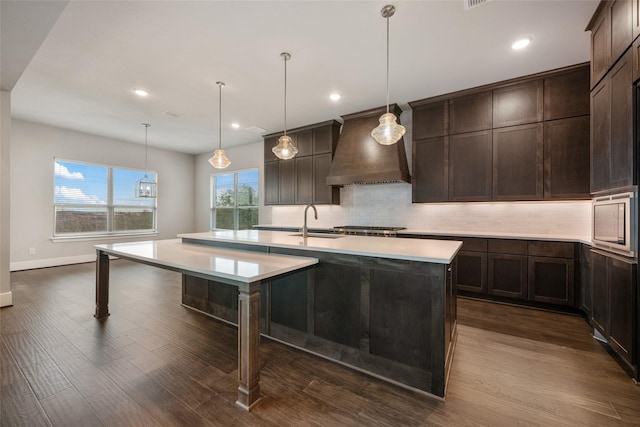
(567,95)
(323,193)
(622,123)
(600,47)
(470,166)
(552,249)
(600,293)
(600,136)
(431,120)
(621,27)
(271,183)
(287,182)
(518,162)
(471,113)
(635,16)
(636,59)
(304,180)
(551,280)
(508,275)
(430,180)
(269,143)
(621,276)
(472,272)
(323,140)
(518,104)
(566,158)
(303,141)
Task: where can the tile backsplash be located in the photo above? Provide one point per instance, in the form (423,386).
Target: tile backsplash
(390,205)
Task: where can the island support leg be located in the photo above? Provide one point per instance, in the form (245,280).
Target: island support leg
(102,285)
(248,345)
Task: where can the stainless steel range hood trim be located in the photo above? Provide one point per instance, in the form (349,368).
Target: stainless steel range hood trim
(359,159)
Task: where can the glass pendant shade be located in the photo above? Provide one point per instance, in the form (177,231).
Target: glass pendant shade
(146,188)
(285,150)
(388,132)
(219,160)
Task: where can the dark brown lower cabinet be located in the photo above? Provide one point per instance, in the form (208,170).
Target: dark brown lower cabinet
(621,277)
(507,275)
(551,280)
(472,272)
(614,313)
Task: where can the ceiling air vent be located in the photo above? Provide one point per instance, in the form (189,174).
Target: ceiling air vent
(470,4)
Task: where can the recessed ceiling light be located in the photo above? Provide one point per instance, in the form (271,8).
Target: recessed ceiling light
(522,43)
(140,92)
(235,125)
(334,96)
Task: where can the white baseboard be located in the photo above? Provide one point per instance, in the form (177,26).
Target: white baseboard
(51,262)
(6,299)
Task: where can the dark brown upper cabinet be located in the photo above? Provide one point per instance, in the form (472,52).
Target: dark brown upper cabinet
(471,113)
(600,27)
(430,180)
(304,142)
(302,180)
(567,94)
(470,166)
(518,104)
(621,27)
(547,158)
(612,162)
(518,162)
(430,120)
(269,143)
(636,59)
(566,159)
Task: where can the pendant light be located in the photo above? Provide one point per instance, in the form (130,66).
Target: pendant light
(146,188)
(388,132)
(219,159)
(285,149)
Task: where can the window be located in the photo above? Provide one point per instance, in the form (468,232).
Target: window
(94,199)
(234,200)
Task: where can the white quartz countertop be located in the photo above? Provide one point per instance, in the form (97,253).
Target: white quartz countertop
(424,250)
(237,265)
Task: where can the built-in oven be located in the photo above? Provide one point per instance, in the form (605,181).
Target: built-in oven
(614,223)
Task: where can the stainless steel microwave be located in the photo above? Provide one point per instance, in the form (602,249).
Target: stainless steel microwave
(614,223)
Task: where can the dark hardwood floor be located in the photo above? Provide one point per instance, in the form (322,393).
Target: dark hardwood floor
(154,362)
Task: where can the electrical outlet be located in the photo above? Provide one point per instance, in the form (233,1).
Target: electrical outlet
(32,251)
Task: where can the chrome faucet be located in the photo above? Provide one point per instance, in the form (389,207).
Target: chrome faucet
(304,228)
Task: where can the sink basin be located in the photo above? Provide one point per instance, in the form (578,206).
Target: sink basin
(319,235)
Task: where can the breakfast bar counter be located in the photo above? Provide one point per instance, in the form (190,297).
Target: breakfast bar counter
(244,270)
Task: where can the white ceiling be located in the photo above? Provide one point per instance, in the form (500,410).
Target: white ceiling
(97,52)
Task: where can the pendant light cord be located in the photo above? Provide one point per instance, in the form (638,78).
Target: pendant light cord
(285,94)
(387,64)
(219,116)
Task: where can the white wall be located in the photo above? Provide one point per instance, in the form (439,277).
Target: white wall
(5,177)
(33,148)
(249,156)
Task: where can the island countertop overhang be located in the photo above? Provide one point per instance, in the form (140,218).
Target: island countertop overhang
(422,250)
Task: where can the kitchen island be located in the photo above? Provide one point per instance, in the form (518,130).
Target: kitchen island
(386,307)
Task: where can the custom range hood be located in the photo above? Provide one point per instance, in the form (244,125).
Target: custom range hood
(359,159)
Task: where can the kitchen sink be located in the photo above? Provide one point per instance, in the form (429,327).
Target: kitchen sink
(319,235)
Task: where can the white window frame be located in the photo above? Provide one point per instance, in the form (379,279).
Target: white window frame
(236,208)
(110,207)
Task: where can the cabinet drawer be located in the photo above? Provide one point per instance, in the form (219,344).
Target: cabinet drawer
(552,249)
(473,244)
(514,247)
